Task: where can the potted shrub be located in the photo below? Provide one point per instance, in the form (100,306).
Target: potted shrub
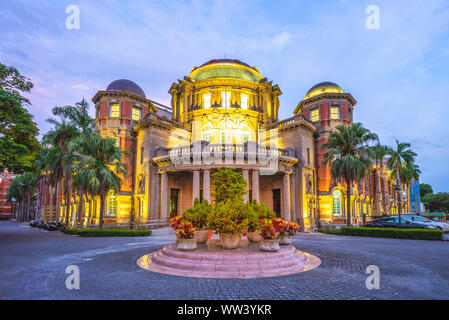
(198,215)
(256,212)
(174,223)
(186,234)
(286,231)
(229,220)
(269,233)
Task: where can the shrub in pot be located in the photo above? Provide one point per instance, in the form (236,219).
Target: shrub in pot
(256,212)
(269,233)
(228,218)
(198,215)
(186,233)
(174,223)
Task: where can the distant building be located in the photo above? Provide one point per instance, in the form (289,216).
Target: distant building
(415,202)
(6,208)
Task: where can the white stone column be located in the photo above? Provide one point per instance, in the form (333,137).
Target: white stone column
(245,174)
(195,185)
(286,187)
(164,196)
(255,189)
(206,185)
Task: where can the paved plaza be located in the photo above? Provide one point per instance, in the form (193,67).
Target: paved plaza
(33,264)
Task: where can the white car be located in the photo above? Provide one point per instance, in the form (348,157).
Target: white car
(439,225)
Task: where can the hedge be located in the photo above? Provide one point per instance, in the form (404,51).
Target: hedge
(108,232)
(417,234)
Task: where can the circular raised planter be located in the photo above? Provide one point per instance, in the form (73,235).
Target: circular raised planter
(211,261)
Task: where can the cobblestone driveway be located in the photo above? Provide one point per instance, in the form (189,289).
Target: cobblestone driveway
(33,266)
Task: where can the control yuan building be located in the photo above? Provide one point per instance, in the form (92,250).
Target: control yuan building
(225,113)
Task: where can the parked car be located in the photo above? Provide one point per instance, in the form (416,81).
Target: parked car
(393,222)
(416,218)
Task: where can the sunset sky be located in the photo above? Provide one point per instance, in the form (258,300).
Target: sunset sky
(399,74)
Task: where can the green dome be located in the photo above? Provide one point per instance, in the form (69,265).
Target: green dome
(225,68)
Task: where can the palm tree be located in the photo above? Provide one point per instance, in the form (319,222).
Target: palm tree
(22,190)
(347,156)
(378,152)
(59,137)
(94,168)
(400,155)
(74,123)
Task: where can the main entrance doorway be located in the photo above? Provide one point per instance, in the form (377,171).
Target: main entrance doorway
(277,202)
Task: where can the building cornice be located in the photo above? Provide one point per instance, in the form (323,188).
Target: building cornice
(324,96)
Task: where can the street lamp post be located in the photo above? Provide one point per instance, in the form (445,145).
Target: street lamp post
(398,190)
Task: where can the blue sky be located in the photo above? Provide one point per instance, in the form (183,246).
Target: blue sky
(399,74)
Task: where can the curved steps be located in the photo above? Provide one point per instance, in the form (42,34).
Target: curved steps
(254,263)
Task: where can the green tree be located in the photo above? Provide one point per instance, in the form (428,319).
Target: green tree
(347,157)
(228,183)
(22,191)
(424,189)
(18,144)
(438,202)
(400,156)
(378,152)
(95,167)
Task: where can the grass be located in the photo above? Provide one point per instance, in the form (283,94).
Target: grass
(108,232)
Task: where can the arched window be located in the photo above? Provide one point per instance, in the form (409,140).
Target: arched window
(245,134)
(111,204)
(206,134)
(336,203)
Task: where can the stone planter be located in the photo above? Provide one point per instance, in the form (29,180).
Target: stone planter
(230,241)
(269,245)
(201,236)
(285,239)
(186,244)
(254,236)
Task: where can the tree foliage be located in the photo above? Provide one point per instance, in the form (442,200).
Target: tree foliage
(438,202)
(228,183)
(424,189)
(18,144)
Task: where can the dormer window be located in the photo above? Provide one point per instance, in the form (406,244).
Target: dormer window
(315,115)
(114,110)
(335,112)
(244,101)
(206,101)
(136,114)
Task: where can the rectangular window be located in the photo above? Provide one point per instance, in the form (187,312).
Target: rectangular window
(137,114)
(226,99)
(141,155)
(206,136)
(244,101)
(308,156)
(315,115)
(206,100)
(114,110)
(226,137)
(335,112)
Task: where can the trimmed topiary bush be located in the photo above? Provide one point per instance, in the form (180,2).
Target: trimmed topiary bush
(396,233)
(108,232)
